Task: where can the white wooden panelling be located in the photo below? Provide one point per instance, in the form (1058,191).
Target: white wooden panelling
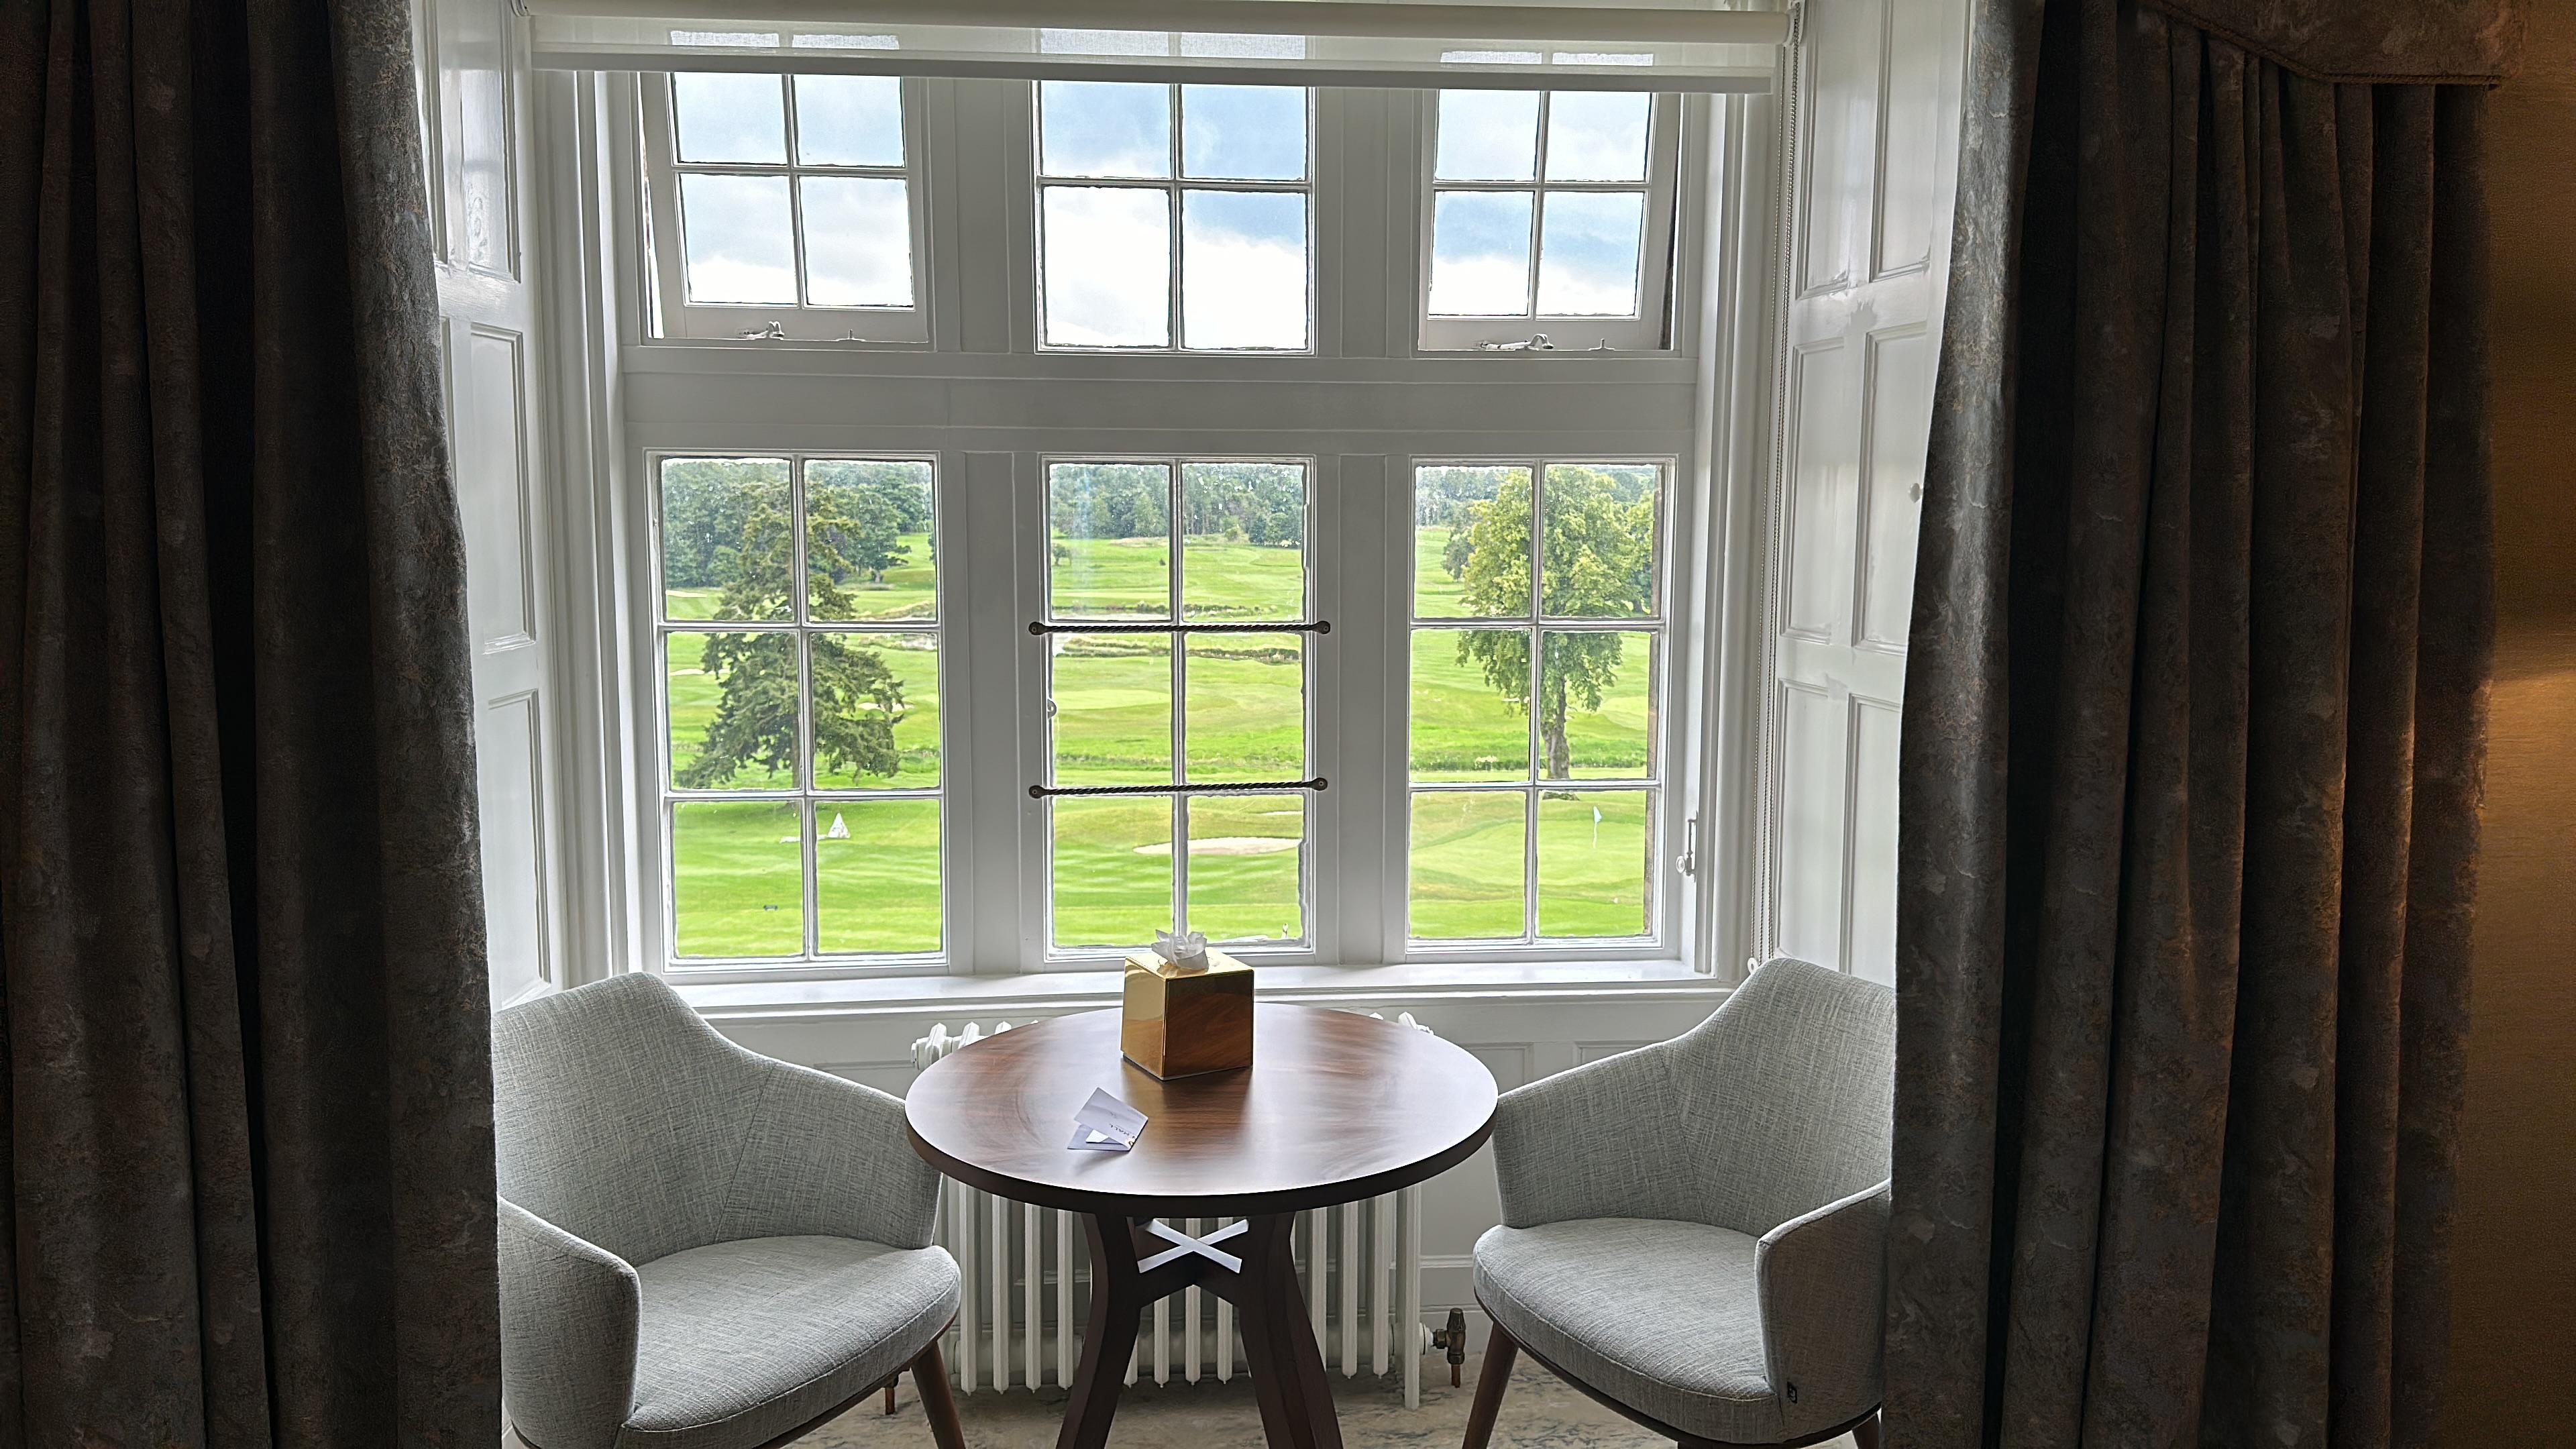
(1870,822)
(474,65)
(1871,175)
(509,744)
(1824,474)
(1808,910)
(1900,420)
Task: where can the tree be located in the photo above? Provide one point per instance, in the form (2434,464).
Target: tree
(852,533)
(1598,562)
(858,700)
(705,503)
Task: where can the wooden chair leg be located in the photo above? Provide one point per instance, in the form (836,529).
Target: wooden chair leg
(890,1383)
(1866,1435)
(930,1377)
(1491,1380)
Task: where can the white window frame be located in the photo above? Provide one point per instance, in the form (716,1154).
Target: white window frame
(992,406)
(1054,955)
(1664,747)
(1173,186)
(801,321)
(1658,311)
(803,792)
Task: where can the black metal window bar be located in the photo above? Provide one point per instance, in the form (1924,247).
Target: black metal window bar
(1042,628)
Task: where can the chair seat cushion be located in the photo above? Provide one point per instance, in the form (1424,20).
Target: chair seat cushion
(741,1342)
(1664,1317)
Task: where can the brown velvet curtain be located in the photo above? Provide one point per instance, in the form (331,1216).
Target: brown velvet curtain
(246,1186)
(2193,746)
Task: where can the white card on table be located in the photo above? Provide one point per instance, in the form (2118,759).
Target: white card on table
(1105,1124)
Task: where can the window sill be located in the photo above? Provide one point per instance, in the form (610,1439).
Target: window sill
(1050,993)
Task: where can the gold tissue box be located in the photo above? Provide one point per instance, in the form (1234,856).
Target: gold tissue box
(1184,1021)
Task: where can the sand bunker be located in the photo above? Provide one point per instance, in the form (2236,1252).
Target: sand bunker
(1227,845)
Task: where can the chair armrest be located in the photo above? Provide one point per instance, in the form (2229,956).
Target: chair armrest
(1823,1282)
(568,1315)
(828,1156)
(1595,1142)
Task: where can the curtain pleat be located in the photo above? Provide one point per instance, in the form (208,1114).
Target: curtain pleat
(2188,810)
(248,1171)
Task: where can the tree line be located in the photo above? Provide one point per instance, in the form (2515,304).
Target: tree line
(1256,503)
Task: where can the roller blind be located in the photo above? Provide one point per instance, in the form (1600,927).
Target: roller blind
(1302,42)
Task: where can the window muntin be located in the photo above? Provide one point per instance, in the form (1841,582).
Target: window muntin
(1174,217)
(799,643)
(1549,212)
(1162,579)
(787,202)
(1535,580)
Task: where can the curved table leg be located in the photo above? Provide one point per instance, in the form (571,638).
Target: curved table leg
(1287,1367)
(1108,1336)
(1288,1377)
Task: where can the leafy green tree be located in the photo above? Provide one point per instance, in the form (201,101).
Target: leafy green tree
(705,504)
(1597,562)
(852,533)
(858,700)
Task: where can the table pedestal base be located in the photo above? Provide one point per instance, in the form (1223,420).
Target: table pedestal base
(1249,1265)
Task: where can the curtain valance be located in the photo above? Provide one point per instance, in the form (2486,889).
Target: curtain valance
(2437,41)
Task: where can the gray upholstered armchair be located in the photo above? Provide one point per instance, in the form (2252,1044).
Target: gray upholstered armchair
(701,1248)
(1694,1233)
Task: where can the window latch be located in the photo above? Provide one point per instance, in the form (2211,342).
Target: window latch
(1688,861)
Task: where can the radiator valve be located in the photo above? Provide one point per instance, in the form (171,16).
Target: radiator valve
(1454,1339)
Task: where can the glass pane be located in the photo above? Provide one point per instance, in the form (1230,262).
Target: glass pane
(1104,128)
(725,549)
(876,711)
(1247,707)
(732,701)
(1112,870)
(1243,550)
(1599,562)
(1468,859)
(858,242)
(1592,863)
(1111,697)
(740,246)
(1480,254)
(1243,269)
(868,547)
(737,878)
(1111,546)
(1587,258)
(1471,542)
(1487,136)
(1108,271)
(1470,704)
(1244,133)
(1244,856)
(1597,135)
(729,118)
(876,875)
(852,120)
(1596,695)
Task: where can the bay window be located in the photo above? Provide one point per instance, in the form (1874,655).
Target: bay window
(1077,508)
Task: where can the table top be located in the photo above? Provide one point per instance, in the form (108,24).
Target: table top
(1336,1107)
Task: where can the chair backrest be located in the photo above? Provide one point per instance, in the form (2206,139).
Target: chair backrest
(620,1114)
(1787,1094)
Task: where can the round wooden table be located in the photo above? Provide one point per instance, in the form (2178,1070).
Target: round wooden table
(1335,1108)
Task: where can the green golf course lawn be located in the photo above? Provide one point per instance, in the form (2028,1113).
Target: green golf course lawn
(738,877)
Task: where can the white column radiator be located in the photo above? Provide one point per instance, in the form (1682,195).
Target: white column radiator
(1028,1278)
